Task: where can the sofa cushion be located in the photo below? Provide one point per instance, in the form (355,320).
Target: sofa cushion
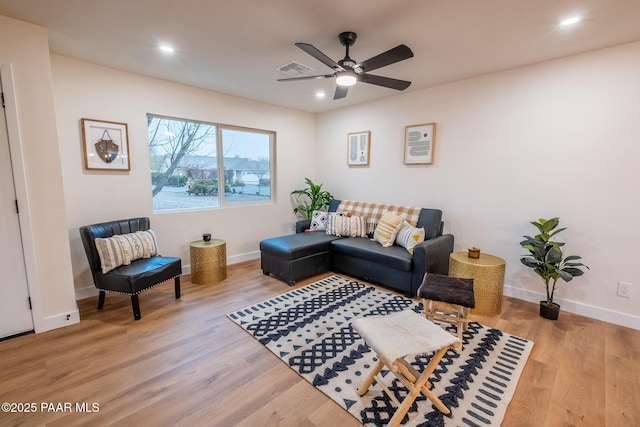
(408,237)
(364,248)
(319,220)
(346,226)
(387,229)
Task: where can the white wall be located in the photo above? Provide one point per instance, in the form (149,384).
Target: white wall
(84,90)
(24,50)
(554,139)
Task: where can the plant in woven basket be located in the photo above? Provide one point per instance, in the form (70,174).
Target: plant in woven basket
(546,259)
(312,198)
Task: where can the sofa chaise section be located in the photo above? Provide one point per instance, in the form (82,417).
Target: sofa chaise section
(296,256)
(305,254)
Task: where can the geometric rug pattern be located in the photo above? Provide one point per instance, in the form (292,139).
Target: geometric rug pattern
(309,329)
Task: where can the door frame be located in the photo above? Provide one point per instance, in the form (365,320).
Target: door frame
(20,182)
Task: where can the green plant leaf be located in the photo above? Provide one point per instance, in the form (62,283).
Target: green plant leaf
(573,271)
(549,224)
(530,262)
(564,275)
(556,232)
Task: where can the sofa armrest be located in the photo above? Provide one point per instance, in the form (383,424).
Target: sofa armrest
(303,225)
(431,256)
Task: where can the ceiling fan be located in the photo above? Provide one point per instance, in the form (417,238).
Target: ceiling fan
(347,72)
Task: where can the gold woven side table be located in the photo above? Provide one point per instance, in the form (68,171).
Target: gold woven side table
(208,261)
(487,273)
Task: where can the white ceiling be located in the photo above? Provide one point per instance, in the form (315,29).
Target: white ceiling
(235,46)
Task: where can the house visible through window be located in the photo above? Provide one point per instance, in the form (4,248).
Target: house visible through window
(187,171)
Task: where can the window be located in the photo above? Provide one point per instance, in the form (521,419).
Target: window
(188,173)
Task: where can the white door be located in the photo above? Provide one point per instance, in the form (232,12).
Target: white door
(15,311)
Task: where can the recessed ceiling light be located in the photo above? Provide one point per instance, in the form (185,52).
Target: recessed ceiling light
(165,48)
(567,22)
(320,94)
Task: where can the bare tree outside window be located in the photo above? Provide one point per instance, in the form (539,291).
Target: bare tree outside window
(186,172)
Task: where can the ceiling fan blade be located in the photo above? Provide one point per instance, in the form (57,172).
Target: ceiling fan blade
(322,76)
(384,81)
(320,56)
(341,92)
(397,54)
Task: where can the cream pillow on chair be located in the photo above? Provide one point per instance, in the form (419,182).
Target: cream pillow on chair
(110,253)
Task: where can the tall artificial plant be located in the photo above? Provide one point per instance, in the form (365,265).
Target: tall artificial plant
(312,198)
(546,258)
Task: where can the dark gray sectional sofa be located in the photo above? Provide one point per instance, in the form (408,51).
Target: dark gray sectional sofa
(306,254)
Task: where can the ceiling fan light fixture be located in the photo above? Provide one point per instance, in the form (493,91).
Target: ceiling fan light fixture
(346,78)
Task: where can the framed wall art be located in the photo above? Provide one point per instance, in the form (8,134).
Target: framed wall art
(105,145)
(419,144)
(358,148)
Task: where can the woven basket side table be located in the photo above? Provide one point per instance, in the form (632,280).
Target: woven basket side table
(208,261)
(487,273)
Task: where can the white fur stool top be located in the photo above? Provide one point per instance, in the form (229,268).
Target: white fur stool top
(399,334)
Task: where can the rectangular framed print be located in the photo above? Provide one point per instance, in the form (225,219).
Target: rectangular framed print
(358,148)
(419,144)
(105,145)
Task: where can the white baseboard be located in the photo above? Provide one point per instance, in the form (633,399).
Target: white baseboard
(91,291)
(58,321)
(615,317)
(86,292)
(243,257)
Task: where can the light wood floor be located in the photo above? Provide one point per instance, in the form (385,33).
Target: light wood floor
(184,363)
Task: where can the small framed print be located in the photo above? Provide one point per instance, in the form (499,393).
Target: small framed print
(105,145)
(358,148)
(419,144)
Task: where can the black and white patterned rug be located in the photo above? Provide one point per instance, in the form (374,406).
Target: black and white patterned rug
(310,329)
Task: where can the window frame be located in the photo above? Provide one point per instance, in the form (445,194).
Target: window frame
(219,128)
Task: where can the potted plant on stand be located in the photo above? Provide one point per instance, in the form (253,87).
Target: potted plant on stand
(547,261)
(310,199)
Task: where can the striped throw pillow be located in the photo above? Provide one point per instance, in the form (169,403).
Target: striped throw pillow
(346,226)
(409,236)
(132,246)
(110,253)
(149,243)
(387,229)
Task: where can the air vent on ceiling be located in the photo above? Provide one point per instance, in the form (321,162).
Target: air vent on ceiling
(294,69)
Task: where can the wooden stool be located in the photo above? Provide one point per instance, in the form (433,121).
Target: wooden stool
(447,299)
(395,336)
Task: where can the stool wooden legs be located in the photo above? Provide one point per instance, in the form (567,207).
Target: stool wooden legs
(415,382)
(451,313)
(372,376)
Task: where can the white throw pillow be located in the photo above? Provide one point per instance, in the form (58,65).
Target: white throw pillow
(319,220)
(346,226)
(110,253)
(409,236)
